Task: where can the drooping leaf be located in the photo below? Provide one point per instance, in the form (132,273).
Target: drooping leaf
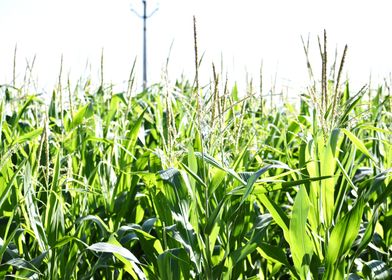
(124,255)
(377,270)
(358,143)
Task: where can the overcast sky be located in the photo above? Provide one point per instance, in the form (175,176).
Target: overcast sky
(243,32)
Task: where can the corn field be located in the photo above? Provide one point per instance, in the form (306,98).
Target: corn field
(187,181)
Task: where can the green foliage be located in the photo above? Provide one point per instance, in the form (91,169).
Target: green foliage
(152,186)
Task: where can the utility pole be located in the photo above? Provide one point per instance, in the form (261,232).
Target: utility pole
(144,17)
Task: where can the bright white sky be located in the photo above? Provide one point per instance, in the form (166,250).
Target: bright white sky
(243,32)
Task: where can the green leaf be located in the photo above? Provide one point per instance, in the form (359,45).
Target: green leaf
(114,102)
(194,175)
(270,186)
(350,103)
(292,131)
(276,255)
(207,158)
(174,264)
(28,136)
(327,168)
(342,237)
(250,182)
(376,270)
(276,212)
(273,253)
(54,216)
(97,220)
(369,233)
(300,242)
(84,112)
(33,210)
(242,252)
(151,245)
(23,109)
(6,191)
(358,143)
(122,254)
(132,138)
(214,217)
(24,266)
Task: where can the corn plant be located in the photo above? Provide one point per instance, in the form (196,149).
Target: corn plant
(185,181)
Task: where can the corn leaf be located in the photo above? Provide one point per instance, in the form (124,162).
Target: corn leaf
(300,242)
